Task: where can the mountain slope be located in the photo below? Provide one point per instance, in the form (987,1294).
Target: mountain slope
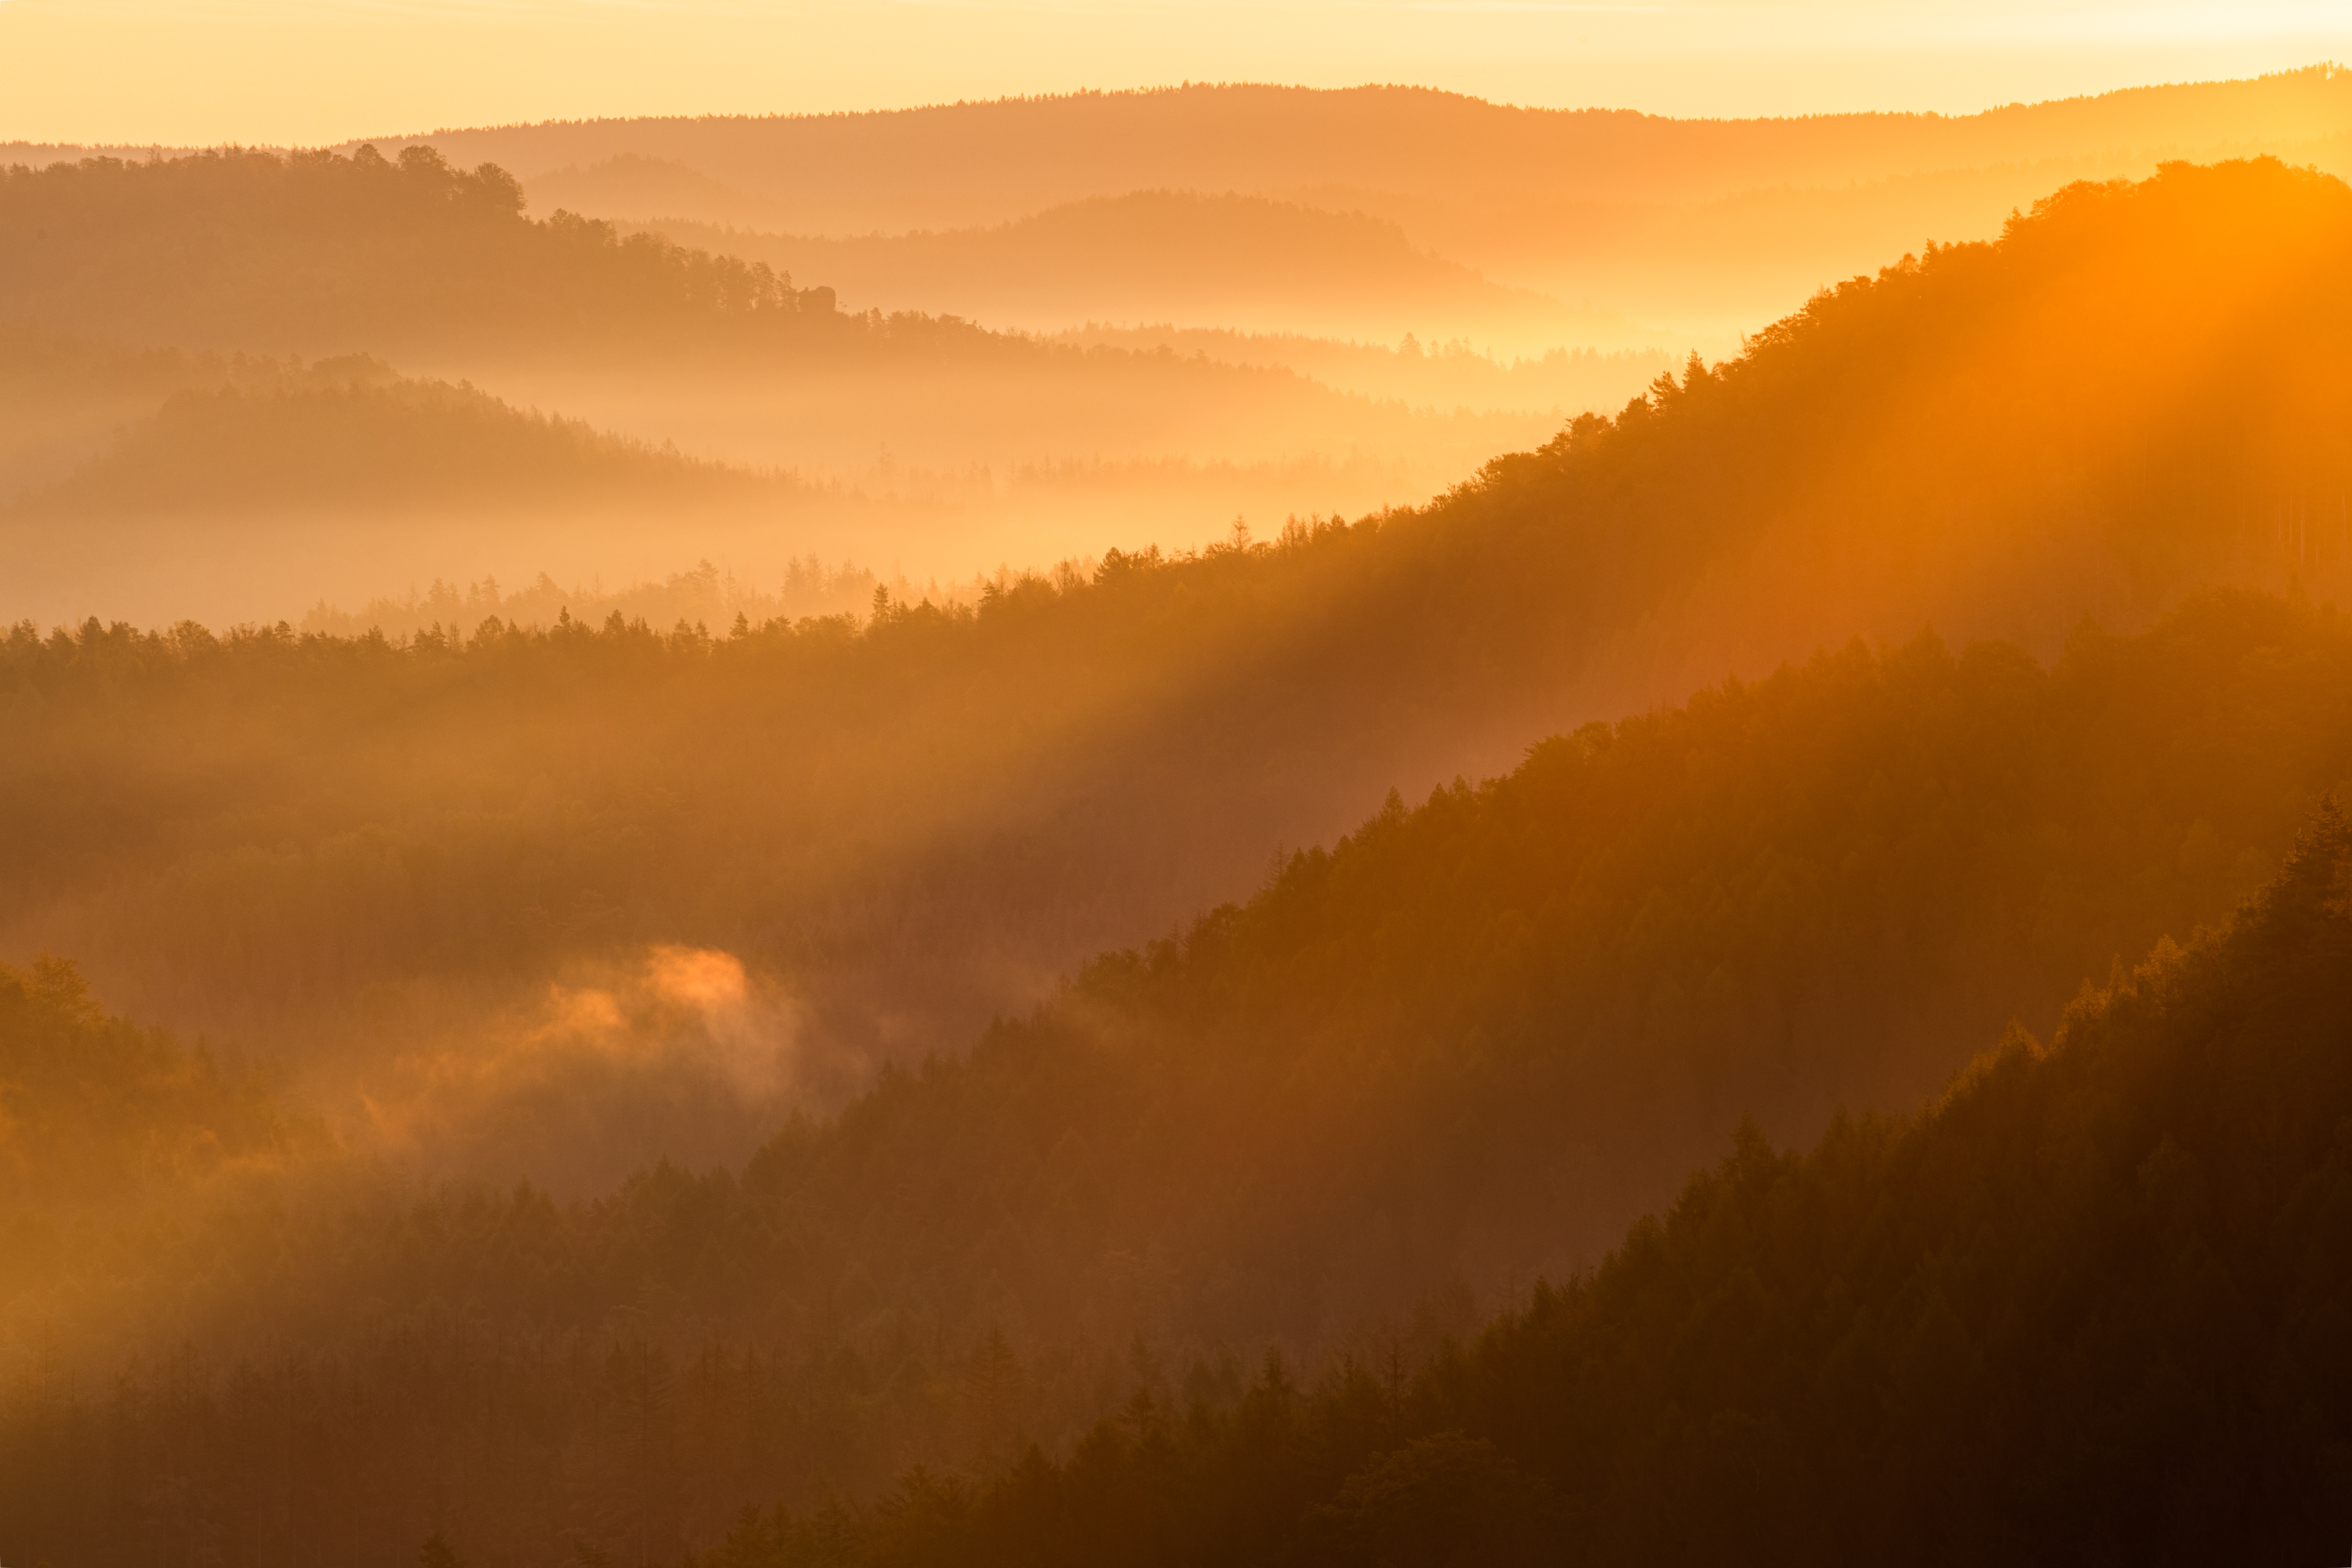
(2087,1304)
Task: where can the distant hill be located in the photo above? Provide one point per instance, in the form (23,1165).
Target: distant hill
(633,187)
(63,399)
(238,487)
(1231,261)
(957,165)
(315,253)
(350,435)
(954,428)
(1699,228)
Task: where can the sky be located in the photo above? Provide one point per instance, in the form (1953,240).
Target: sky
(277,72)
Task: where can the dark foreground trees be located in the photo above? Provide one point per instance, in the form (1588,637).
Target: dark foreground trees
(2090,1306)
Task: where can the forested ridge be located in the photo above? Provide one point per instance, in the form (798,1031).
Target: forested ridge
(319,253)
(316,252)
(2089,1304)
(349,435)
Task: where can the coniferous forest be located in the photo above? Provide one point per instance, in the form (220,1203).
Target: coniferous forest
(1764,974)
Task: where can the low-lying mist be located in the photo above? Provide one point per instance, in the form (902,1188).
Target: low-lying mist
(676,1055)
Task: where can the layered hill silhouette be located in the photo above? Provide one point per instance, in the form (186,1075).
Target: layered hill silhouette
(1710,227)
(231,487)
(2118,1258)
(955,165)
(1231,261)
(350,435)
(975,446)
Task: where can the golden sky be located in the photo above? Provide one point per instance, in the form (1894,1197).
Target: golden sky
(277,71)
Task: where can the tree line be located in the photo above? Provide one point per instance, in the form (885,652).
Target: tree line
(2086,1304)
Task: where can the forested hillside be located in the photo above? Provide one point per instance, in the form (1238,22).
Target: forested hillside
(2085,1305)
(317,253)
(1460,1049)
(345,435)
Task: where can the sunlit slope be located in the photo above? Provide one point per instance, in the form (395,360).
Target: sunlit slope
(2087,1303)
(1465,1045)
(1242,262)
(2137,388)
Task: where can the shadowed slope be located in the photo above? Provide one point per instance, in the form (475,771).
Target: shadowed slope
(2087,1304)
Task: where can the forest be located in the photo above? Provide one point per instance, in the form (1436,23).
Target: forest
(1829,889)
(2085,1304)
(315,252)
(1761,976)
